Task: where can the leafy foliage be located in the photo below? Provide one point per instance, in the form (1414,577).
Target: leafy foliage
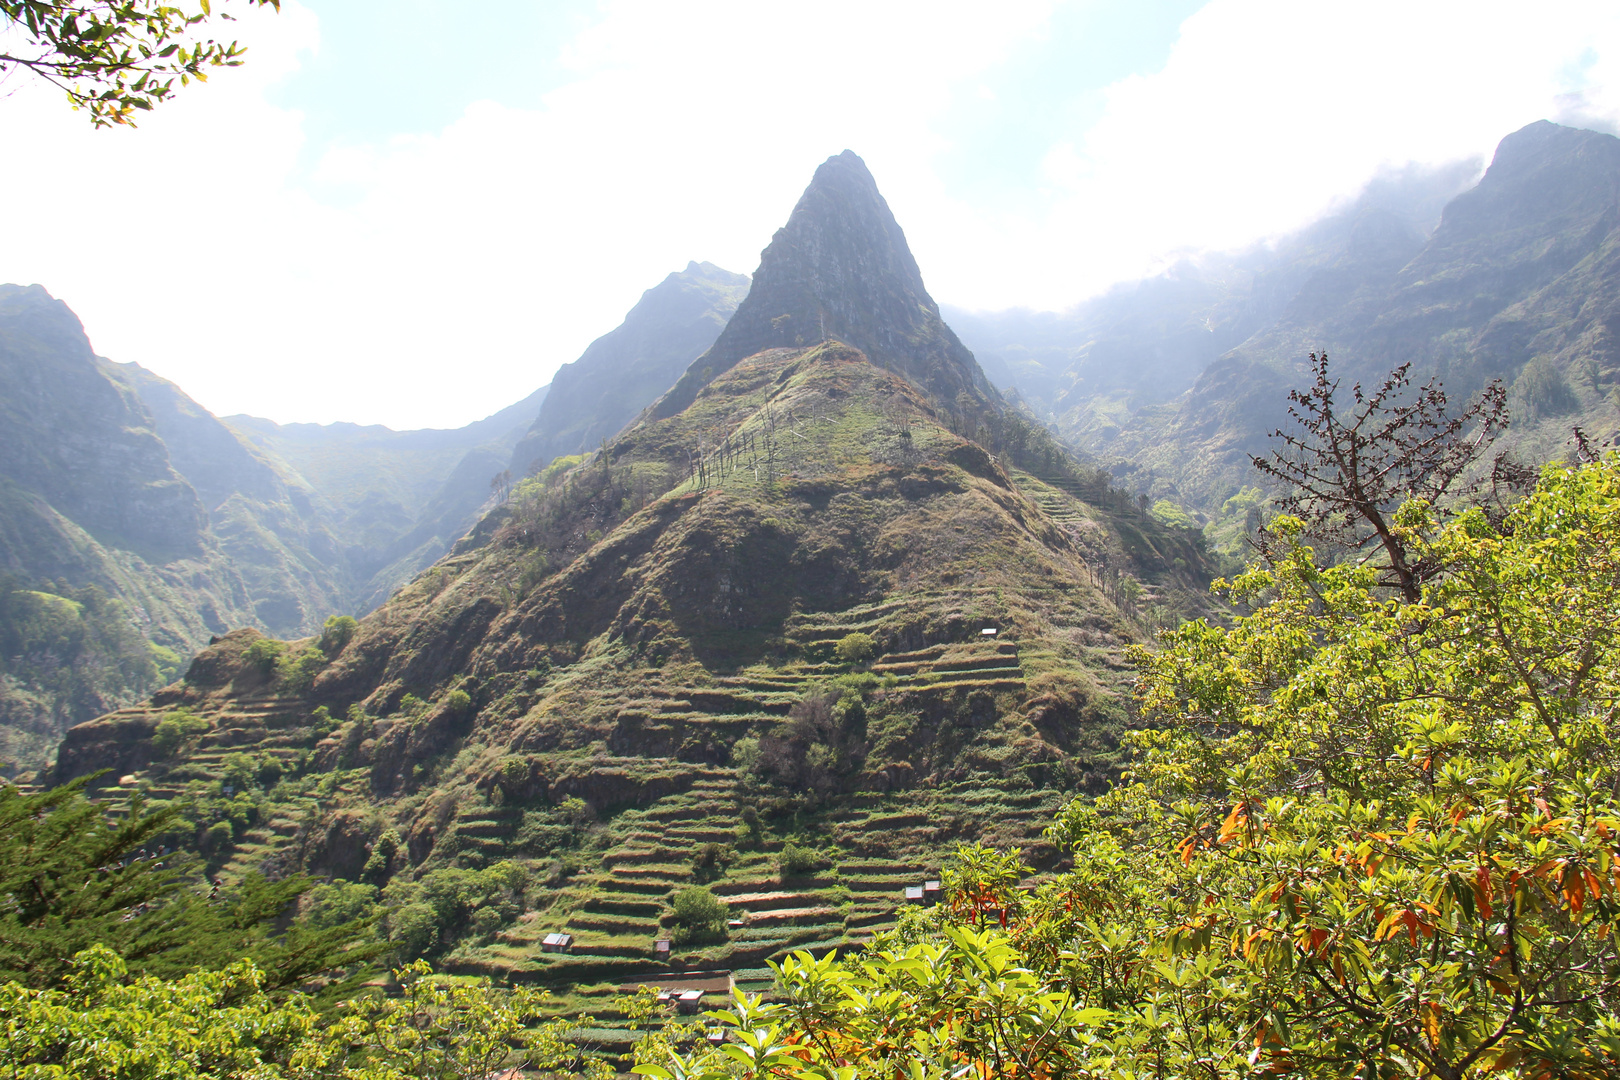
(104,1025)
(700,915)
(72,878)
(856,648)
(177,727)
(115,58)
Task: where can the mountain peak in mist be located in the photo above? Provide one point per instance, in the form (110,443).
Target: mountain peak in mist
(841,269)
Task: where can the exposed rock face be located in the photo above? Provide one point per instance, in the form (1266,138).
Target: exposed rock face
(840,269)
(82,443)
(624,371)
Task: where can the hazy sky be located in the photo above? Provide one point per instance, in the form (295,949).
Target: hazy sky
(411,211)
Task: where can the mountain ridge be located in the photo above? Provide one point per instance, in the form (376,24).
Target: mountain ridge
(796,609)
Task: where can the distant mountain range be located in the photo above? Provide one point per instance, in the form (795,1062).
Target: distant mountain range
(115,478)
(1175,381)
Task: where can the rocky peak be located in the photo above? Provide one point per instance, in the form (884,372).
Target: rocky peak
(841,269)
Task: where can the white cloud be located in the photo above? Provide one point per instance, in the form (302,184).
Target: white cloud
(438,276)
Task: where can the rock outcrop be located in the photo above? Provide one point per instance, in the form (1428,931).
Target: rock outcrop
(840,270)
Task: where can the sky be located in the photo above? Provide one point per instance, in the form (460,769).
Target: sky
(410,212)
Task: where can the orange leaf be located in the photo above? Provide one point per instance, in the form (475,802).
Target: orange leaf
(1482,891)
(1431,1023)
(1234,823)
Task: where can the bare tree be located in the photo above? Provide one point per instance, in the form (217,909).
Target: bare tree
(1346,472)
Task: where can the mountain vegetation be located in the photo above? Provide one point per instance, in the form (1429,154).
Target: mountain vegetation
(1367,836)
(734,678)
(798,660)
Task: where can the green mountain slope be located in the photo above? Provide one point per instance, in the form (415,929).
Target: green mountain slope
(191,525)
(751,620)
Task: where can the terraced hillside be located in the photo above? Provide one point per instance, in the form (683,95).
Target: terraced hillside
(742,647)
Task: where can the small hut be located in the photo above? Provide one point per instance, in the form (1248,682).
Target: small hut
(661,948)
(931,892)
(689,1002)
(914,894)
(557,943)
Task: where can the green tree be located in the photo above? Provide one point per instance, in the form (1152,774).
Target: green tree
(177,727)
(856,648)
(105,1024)
(115,58)
(454,1030)
(72,877)
(101,1024)
(336,634)
(699,916)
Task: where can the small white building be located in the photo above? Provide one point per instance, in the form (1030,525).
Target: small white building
(557,943)
(689,1002)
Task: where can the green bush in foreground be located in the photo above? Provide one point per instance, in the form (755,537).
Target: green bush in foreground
(102,1025)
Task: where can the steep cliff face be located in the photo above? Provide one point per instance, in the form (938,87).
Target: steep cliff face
(82,442)
(840,270)
(109,572)
(270,529)
(1519,282)
(625,370)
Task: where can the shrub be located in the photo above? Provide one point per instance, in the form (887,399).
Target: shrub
(414,930)
(261,656)
(795,861)
(296,671)
(700,916)
(856,648)
(321,723)
(217,839)
(336,635)
(175,730)
(711,861)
